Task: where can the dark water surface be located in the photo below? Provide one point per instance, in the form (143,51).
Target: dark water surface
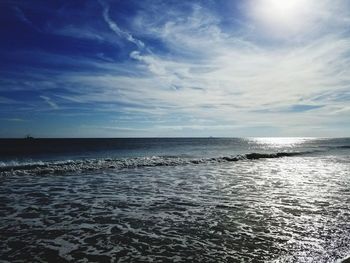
(175,200)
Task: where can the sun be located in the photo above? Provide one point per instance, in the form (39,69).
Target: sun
(282,17)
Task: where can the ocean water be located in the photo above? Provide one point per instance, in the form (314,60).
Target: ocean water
(175,200)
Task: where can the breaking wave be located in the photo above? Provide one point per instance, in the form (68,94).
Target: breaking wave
(69,166)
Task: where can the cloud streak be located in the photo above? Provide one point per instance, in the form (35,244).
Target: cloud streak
(115,28)
(195,72)
(23,18)
(49,101)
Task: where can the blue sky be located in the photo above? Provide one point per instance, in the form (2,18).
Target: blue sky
(174,68)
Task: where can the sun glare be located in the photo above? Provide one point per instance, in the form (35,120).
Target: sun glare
(282,17)
(278,142)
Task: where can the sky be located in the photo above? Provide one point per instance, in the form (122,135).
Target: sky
(166,68)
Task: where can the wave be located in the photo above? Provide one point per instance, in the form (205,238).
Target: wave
(343,147)
(62,167)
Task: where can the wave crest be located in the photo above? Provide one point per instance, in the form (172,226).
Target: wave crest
(69,166)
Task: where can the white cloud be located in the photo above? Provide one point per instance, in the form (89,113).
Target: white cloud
(211,74)
(235,85)
(79,32)
(115,28)
(49,101)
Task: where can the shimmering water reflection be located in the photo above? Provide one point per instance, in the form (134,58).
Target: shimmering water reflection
(293,209)
(280,142)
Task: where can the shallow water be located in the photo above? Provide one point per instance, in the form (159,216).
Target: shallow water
(289,209)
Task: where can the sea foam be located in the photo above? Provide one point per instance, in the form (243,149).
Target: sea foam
(78,166)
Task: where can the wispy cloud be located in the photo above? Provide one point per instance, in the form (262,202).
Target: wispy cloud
(49,101)
(22,17)
(115,28)
(79,32)
(6,101)
(14,119)
(188,70)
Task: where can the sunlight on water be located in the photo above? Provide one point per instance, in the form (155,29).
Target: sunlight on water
(267,205)
(279,142)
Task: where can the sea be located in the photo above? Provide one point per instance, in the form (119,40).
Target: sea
(175,200)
